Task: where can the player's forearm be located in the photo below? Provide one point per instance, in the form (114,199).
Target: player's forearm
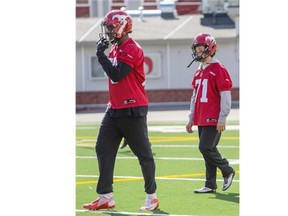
(192,107)
(225,105)
(115,73)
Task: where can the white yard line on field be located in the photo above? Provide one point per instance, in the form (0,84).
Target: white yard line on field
(83,143)
(231,161)
(189,146)
(164,129)
(180,129)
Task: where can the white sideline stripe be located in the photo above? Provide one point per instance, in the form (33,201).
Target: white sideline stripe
(162,146)
(157,158)
(180,129)
(167,129)
(231,161)
(157,178)
(135,158)
(126,213)
(188,146)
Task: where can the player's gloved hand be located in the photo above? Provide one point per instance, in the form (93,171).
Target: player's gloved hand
(102,45)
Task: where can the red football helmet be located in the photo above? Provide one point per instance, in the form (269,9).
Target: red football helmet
(116,24)
(205,40)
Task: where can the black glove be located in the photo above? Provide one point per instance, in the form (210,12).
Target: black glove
(102,44)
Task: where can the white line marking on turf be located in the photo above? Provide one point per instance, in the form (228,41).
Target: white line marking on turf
(127,213)
(231,161)
(166,129)
(189,146)
(158,146)
(135,158)
(175,128)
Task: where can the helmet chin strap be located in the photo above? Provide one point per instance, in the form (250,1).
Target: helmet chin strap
(191,62)
(197,58)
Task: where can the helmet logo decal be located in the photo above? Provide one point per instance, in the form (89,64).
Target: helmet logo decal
(122,21)
(119,17)
(209,39)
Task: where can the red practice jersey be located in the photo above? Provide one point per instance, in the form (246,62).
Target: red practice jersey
(208,84)
(129,92)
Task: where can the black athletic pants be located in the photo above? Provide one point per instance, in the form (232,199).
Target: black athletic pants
(208,141)
(111,132)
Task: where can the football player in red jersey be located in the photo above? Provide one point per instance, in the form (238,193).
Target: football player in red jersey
(126,113)
(210,105)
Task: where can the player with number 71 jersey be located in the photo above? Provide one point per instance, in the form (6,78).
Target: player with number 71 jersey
(208,81)
(210,106)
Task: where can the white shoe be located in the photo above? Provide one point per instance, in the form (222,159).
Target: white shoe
(228,181)
(205,190)
(150,204)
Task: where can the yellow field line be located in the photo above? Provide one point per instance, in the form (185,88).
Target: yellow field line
(156,139)
(141,178)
